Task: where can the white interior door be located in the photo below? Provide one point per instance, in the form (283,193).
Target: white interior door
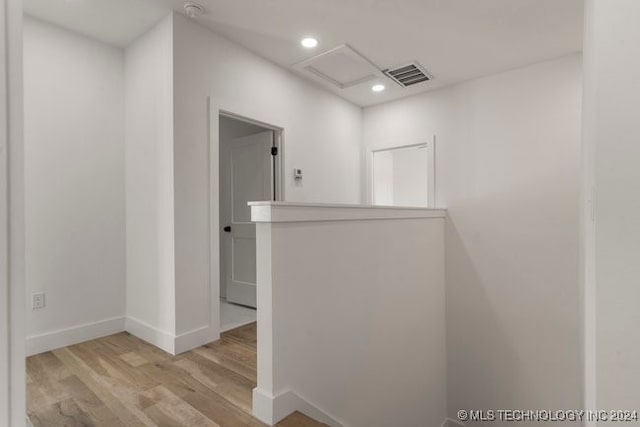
(251,179)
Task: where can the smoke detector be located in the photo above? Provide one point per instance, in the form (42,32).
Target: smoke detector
(193,10)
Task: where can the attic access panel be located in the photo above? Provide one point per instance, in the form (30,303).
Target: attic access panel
(342,66)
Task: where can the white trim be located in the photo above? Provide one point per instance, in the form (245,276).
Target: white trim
(272,409)
(307,212)
(161,339)
(5,306)
(431,169)
(249,120)
(213,154)
(173,344)
(278,141)
(588,289)
(367,165)
(433,175)
(68,336)
(399,147)
(216,108)
(264,317)
(262,406)
(194,338)
(12,289)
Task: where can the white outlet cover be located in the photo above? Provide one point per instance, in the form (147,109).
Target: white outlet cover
(37,301)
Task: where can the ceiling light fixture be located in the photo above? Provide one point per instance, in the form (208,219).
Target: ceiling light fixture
(193,10)
(309,42)
(377,88)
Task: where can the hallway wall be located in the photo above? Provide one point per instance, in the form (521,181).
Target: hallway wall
(149,186)
(507,169)
(612,178)
(361,342)
(118,173)
(74,184)
(507,162)
(322,136)
(12,280)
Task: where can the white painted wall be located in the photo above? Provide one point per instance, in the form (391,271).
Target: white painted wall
(587,216)
(12,351)
(508,157)
(351,328)
(611,136)
(150,186)
(82,193)
(322,136)
(5,248)
(74,181)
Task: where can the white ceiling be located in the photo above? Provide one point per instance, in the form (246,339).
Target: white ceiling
(117,22)
(455,40)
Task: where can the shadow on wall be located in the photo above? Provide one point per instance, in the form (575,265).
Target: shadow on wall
(482,361)
(508,338)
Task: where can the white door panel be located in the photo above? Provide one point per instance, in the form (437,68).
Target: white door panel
(251,180)
(244,253)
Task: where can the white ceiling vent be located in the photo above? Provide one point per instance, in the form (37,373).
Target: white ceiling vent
(408,74)
(342,67)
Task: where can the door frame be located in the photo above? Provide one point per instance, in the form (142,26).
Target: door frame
(277,167)
(431,169)
(12,284)
(217,108)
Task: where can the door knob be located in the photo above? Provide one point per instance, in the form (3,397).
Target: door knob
(227,229)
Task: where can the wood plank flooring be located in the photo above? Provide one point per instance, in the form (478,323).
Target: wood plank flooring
(121,380)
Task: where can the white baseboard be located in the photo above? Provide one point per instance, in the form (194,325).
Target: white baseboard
(172,344)
(195,338)
(151,334)
(90,331)
(262,406)
(272,409)
(63,337)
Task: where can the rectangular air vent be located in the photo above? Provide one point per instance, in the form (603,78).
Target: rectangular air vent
(408,75)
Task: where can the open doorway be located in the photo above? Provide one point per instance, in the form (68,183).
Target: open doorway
(404,175)
(249,162)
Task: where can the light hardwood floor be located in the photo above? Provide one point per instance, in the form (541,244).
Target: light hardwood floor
(121,380)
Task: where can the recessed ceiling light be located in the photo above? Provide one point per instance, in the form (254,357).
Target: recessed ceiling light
(377,88)
(309,42)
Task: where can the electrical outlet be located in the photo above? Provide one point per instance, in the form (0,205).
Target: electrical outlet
(37,301)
